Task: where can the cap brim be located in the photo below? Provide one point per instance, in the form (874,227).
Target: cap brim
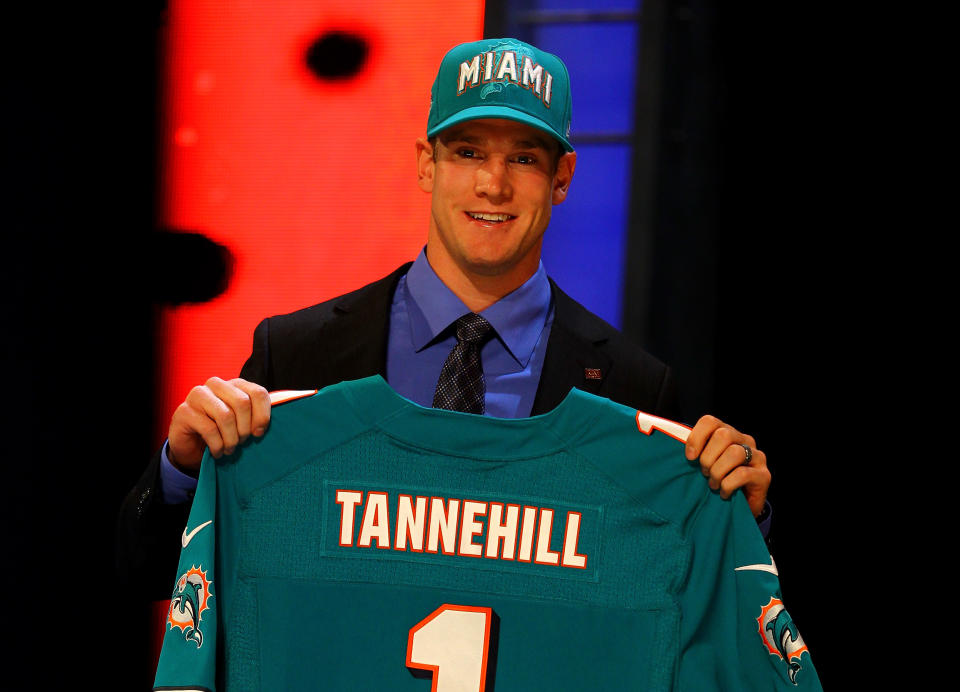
(503,113)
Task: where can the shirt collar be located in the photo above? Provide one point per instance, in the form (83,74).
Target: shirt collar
(518,318)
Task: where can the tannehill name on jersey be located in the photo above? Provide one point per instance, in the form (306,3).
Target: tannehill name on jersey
(506,66)
(453,526)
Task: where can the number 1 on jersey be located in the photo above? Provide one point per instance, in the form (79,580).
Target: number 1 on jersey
(453,643)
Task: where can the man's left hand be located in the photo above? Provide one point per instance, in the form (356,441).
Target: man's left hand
(725,462)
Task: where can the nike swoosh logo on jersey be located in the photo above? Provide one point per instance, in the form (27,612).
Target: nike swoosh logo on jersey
(771,568)
(187,537)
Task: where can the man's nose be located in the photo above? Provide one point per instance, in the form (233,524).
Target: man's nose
(493,180)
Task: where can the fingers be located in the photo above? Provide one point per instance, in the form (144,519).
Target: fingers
(728,479)
(247,410)
(218,415)
(700,435)
(755,481)
(718,447)
(723,460)
(711,436)
(731,458)
(228,410)
(260,405)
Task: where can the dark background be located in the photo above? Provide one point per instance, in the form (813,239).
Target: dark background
(750,246)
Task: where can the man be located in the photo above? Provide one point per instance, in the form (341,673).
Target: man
(495,161)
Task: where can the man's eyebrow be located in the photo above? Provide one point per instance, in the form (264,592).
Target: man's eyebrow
(535,143)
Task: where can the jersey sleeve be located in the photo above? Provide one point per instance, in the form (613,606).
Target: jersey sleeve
(737,635)
(189,654)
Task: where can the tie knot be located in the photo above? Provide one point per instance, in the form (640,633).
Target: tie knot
(473,329)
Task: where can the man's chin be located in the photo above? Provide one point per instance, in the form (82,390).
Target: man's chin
(500,278)
(489,268)
(500,265)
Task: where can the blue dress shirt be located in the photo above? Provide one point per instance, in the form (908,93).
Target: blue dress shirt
(421,337)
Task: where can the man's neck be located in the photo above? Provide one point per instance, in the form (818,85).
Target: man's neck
(478,291)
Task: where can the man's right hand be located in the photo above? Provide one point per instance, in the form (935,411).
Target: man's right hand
(219,415)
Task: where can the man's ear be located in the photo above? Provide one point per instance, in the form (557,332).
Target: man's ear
(563,176)
(425,165)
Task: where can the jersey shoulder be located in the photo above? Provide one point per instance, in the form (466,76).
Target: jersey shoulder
(643,454)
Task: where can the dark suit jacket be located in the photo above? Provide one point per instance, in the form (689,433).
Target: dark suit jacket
(346,339)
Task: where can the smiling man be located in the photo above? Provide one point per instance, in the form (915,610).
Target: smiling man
(474,324)
(493,184)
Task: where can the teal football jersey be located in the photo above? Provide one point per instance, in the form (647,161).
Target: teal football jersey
(367,543)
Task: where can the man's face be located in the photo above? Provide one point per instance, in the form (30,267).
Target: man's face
(493,185)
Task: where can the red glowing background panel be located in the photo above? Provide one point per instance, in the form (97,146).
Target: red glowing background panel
(311,184)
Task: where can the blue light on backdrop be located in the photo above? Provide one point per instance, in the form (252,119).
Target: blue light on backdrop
(586,241)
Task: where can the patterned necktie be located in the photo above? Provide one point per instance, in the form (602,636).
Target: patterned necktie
(461,386)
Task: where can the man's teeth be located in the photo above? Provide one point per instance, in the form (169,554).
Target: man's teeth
(489,217)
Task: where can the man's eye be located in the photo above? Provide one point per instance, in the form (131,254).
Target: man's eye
(525,159)
(467,153)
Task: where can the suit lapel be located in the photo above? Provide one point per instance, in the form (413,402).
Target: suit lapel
(572,358)
(356,341)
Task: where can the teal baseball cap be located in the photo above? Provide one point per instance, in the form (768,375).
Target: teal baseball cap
(502,78)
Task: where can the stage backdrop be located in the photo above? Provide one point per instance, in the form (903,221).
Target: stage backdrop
(288,134)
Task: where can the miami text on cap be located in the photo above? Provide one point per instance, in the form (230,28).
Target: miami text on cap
(502,78)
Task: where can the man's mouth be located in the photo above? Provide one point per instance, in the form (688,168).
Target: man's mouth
(488,217)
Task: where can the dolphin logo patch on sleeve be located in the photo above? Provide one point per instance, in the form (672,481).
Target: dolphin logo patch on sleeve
(189,601)
(781,637)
